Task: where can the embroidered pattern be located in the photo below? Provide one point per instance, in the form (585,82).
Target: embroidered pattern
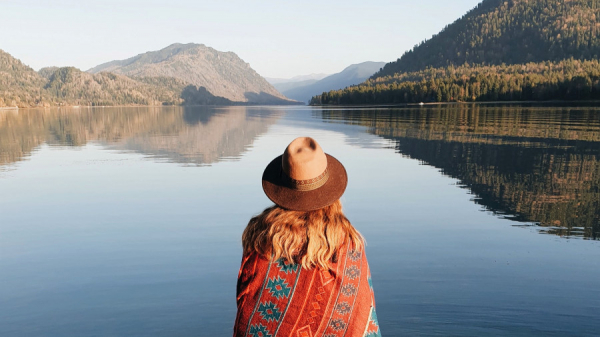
(352,272)
(286,267)
(348,290)
(269,311)
(277,292)
(304,332)
(372,325)
(343,308)
(259,331)
(354,255)
(374,317)
(330,303)
(350,283)
(278,287)
(338,324)
(309,184)
(326,277)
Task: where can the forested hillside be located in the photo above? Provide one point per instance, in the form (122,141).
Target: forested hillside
(74,87)
(21,86)
(512,50)
(565,80)
(511,32)
(46,72)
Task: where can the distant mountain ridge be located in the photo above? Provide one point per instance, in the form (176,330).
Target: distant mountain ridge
(223,74)
(353,74)
(151,84)
(511,32)
(285,84)
(299,78)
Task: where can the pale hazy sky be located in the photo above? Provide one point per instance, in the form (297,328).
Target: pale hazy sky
(279,38)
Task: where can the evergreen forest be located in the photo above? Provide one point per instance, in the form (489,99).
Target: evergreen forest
(565,80)
(511,50)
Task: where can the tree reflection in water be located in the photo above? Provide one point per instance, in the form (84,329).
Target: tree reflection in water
(189,135)
(531,165)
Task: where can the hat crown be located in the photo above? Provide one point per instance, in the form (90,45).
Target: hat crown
(304,159)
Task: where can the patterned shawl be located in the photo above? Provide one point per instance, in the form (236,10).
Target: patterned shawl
(275,298)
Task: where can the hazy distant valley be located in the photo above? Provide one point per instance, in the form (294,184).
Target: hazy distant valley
(303,89)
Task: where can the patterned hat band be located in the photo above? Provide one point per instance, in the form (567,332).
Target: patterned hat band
(308,184)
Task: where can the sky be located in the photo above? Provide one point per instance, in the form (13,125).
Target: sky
(278,38)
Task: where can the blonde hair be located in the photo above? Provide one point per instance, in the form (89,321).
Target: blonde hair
(310,238)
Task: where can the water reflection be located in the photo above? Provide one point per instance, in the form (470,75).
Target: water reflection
(531,165)
(190,135)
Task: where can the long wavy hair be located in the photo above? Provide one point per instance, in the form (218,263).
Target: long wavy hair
(311,238)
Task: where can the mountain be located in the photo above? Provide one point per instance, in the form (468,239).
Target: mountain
(23,87)
(353,74)
(284,84)
(295,79)
(47,72)
(510,50)
(511,32)
(567,80)
(72,86)
(19,84)
(223,74)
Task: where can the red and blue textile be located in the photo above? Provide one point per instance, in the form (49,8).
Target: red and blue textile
(276,298)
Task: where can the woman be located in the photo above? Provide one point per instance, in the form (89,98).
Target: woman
(304,272)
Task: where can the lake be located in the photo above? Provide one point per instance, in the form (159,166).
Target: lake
(479,219)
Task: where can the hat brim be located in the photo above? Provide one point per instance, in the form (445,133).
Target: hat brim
(274,185)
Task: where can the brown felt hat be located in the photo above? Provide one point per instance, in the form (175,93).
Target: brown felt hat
(304,178)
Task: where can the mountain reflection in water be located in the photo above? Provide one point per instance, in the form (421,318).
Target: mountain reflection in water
(190,135)
(531,165)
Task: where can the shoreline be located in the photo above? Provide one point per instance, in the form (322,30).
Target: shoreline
(422,104)
(142,106)
(590,103)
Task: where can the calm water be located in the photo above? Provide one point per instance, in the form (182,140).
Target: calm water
(127,221)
